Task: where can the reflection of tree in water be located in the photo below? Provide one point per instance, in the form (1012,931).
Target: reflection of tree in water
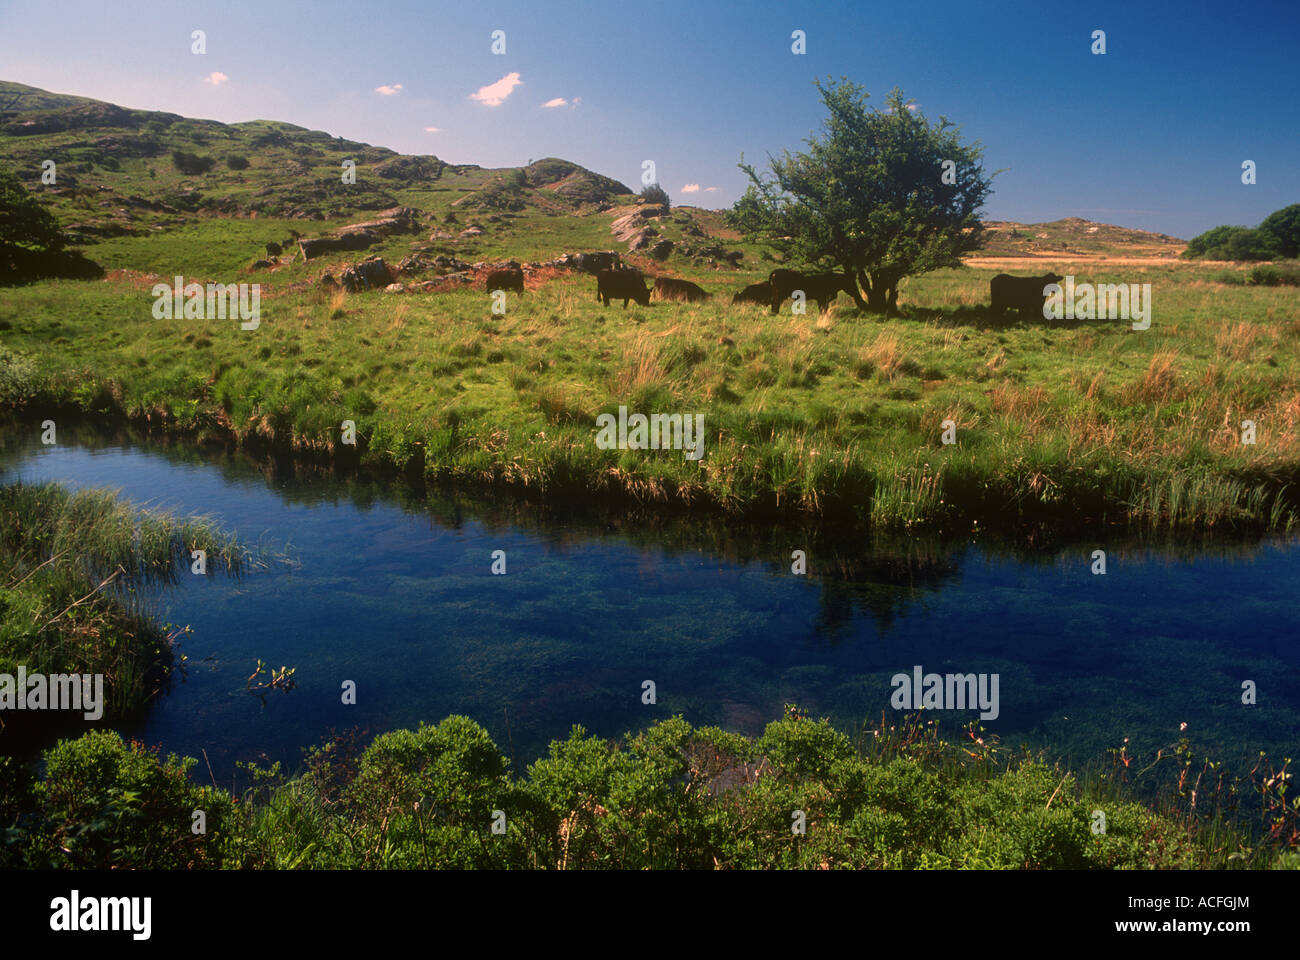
(880,579)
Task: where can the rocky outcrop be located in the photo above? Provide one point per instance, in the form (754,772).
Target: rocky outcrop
(366,275)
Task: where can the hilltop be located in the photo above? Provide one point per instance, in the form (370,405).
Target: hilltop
(1075,237)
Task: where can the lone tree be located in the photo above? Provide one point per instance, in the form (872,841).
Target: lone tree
(32,244)
(656,194)
(874,195)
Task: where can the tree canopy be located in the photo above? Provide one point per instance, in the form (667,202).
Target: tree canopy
(24,222)
(1233,243)
(881,194)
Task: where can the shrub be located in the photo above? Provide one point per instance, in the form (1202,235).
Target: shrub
(1275,275)
(236,162)
(656,194)
(1284,226)
(105,804)
(1233,243)
(191,164)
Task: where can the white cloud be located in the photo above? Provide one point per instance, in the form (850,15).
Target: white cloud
(387,90)
(557,102)
(710,189)
(432,129)
(691,188)
(216,79)
(912,107)
(577,100)
(494,94)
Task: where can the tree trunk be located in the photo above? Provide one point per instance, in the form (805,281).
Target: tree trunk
(855,278)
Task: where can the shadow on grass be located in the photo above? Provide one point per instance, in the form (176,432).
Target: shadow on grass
(986,317)
(19,266)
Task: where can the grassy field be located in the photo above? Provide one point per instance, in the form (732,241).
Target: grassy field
(1062,422)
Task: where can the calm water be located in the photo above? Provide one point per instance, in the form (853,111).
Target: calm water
(395,593)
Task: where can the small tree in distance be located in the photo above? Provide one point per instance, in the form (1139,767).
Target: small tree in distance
(656,194)
(881,195)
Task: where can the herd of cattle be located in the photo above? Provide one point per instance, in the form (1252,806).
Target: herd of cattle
(1007,292)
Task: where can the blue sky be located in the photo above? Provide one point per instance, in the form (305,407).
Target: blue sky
(1150,135)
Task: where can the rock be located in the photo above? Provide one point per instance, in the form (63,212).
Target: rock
(395,288)
(450,217)
(471,232)
(640,241)
(260,265)
(369,273)
(593,262)
(662,249)
(352,241)
(626,227)
(412,265)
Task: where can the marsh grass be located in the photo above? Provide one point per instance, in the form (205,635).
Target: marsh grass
(75,575)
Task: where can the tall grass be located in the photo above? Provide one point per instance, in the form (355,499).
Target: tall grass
(72,565)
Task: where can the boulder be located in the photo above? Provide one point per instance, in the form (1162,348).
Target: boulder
(662,249)
(368,274)
(322,245)
(593,262)
(395,288)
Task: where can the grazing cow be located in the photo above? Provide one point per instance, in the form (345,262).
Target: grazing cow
(822,287)
(1020,293)
(622,285)
(670,288)
(754,293)
(512,279)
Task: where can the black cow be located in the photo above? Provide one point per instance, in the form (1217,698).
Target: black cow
(1020,293)
(754,293)
(622,285)
(670,288)
(822,287)
(512,279)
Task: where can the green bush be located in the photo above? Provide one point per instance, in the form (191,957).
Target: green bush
(191,164)
(105,804)
(1275,275)
(671,797)
(1284,226)
(1233,243)
(237,162)
(655,194)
